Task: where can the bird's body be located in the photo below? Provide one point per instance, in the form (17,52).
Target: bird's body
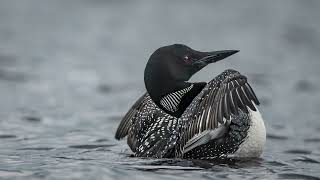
(195,120)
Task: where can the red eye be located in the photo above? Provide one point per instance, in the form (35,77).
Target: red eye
(186,59)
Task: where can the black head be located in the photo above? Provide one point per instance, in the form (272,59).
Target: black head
(169,67)
(180,62)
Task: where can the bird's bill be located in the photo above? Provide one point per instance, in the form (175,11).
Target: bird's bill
(214,56)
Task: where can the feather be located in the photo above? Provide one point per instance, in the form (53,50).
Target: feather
(256,101)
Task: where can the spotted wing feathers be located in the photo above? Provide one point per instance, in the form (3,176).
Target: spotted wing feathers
(235,94)
(151,132)
(219,100)
(126,121)
(159,138)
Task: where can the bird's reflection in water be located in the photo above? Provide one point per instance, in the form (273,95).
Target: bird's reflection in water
(198,164)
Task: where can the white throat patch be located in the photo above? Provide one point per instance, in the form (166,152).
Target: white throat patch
(172,100)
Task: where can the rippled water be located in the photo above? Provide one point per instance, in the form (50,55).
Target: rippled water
(69,70)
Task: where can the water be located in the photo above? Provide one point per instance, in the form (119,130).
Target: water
(69,70)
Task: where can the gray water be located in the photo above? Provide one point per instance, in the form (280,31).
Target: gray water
(69,70)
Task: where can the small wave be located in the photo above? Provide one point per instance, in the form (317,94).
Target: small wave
(277,163)
(78,159)
(306,159)
(298,151)
(312,140)
(101,140)
(13,76)
(7,136)
(32,118)
(155,168)
(276,137)
(37,148)
(297,176)
(91,146)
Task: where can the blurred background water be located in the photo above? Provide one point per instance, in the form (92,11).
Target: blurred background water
(69,70)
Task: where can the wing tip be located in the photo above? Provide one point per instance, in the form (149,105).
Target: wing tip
(119,136)
(125,123)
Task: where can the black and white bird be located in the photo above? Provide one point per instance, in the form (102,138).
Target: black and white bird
(196,120)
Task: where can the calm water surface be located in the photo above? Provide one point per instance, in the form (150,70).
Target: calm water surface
(69,70)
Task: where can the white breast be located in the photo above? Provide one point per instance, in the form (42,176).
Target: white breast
(256,137)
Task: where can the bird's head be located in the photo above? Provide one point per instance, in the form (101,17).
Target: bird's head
(169,67)
(179,62)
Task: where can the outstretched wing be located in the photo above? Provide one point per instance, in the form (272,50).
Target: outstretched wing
(223,96)
(151,131)
(126,121)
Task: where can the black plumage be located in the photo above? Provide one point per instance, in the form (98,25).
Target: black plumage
(210,119)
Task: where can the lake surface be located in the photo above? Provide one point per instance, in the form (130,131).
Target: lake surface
(69,70)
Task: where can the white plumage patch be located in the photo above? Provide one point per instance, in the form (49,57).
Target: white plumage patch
(172,100)
(256,137)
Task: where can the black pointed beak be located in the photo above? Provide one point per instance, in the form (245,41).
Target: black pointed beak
(214,56)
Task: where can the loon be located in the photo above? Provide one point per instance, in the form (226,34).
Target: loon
(194,120)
